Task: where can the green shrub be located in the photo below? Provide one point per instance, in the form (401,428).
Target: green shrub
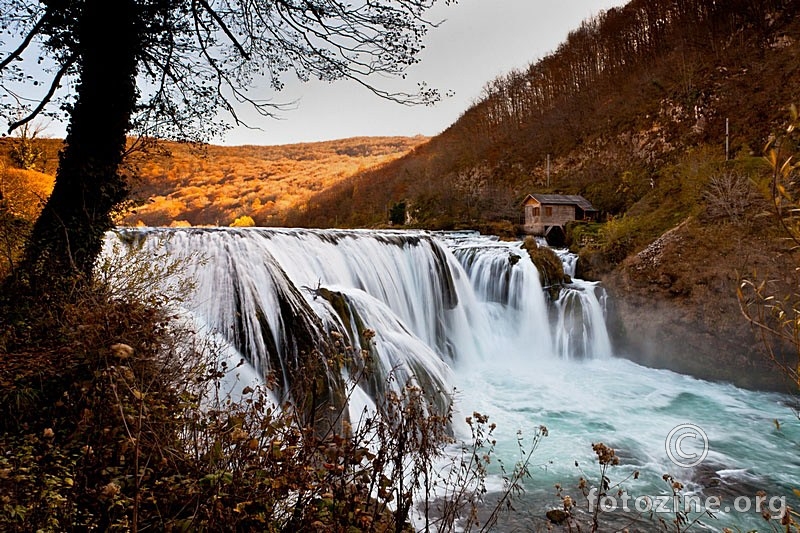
(581,234)
(397,213)
(619,238)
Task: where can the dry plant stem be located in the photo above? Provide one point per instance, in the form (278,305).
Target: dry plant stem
(775,318)
(520,471)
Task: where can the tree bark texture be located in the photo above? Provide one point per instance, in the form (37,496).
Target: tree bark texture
(68,235)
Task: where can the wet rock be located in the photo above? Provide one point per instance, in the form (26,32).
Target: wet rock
(557,516)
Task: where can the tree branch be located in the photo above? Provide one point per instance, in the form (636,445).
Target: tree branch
(46,99)
(25,43)
(224,27)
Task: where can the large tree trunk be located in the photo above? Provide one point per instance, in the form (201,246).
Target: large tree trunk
(68,236)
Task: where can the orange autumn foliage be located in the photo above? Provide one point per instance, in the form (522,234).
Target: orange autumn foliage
(215,185)
(24,192)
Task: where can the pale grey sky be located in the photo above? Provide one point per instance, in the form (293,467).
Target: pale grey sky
(479,40)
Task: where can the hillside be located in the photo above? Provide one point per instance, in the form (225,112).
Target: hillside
(632,111)
(615,105)
(180,183)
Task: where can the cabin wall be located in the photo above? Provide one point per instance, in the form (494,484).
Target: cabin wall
(539,218)
(558,215)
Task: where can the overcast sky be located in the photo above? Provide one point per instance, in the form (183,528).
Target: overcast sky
(479,40)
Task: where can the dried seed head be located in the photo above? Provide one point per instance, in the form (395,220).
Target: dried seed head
(121,351)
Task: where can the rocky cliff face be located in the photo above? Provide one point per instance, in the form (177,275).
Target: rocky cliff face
(676,306)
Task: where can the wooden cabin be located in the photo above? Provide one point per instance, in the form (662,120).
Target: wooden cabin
(545,213)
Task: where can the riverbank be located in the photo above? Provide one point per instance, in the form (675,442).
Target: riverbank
(675,302)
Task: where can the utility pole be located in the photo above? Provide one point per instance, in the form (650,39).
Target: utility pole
(727,139)
(548,171)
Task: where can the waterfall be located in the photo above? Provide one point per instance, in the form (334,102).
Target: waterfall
(508,284)
(458,309)
(421,303)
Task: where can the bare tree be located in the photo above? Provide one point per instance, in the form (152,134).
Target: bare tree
(165,68)
(729,196)
(26,151)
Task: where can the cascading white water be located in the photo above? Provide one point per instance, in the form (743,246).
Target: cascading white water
(469,311)
(463,297)
(507,285)
(580,329)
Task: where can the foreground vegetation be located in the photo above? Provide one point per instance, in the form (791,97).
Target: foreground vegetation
(113,420)
(114,417)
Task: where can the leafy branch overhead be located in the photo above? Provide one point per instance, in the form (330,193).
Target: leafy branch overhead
(195,57)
